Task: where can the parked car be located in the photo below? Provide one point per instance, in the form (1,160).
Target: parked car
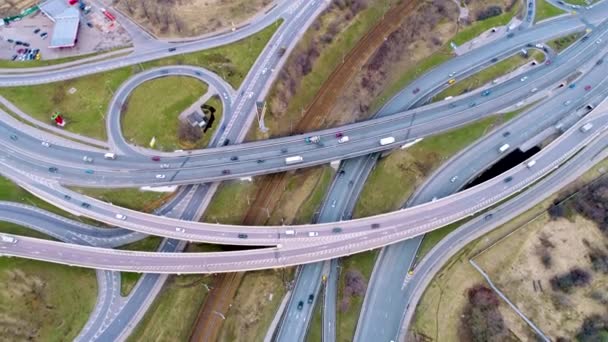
(44,35)
(89,24)
(36,31)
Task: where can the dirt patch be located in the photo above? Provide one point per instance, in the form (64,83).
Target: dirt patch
(178,18)
(14,7)
(541,289)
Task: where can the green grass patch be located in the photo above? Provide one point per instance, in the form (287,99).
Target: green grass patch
(171,316)
(308,208)
(487,75)
(562,43)
(41,63)
(44,301)
(346,320)
(545,10)
(479,27)
(130,198)
(153,108)
(85,109)
(431,239)
(397,175)
(229,205)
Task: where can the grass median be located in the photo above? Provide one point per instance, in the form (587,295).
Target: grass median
(396,176)
(562,43)
(485,76)
(545,10)
(84,101)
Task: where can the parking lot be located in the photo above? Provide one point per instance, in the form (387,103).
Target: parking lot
(100,37)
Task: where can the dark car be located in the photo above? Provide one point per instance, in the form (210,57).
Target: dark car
(473,104)
(508,179)
(339,135)
(14,137)
(494,60)
(155,158)
(336,230)
(226,142)
(67,197)
(18,42)
(89,24)
(52,169)
(585,38)
(260,161)
(506,134)
(300,305)
(415,91)
(26,44)
(599,62)
(225,172)
(341,173)
(234,158)
(85,205)
(311,297)
(284,150)
(172,49)
(14,57)
(10,40)
(375,225)
(488,216)
(510,35)
(36,31)
(43,35)
(242,236)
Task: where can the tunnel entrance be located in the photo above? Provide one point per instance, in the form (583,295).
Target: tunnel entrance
(506,163)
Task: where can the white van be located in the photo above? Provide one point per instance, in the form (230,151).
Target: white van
(503,148)
(290,232)
(110,156)
(386,141)
(448,98)
(343,139)
(531,163)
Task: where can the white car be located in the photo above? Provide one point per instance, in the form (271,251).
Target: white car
(160,176)
(453,179)
(598,41)
(225,96)
(165,166)
(45,144)
(180,230)
(250,94)
(121,217)
(567,102)
(452,74)
(264,71)
(523,79)
(311,234)
(533,90)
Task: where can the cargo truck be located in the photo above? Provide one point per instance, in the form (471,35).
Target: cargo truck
(293,160)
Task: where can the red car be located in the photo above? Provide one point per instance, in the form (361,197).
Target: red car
(548,62)
(156,158)
(339,135)
(587,87)
(415,91)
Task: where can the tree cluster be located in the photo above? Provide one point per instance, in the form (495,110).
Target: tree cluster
(481,320)
(576,277)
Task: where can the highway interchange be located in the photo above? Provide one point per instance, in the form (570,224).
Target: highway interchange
(27,170)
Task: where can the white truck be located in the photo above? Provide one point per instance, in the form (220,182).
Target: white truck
(111,156)
(8,239)
(387,140)
(503,148)
(293,160)
(312,140)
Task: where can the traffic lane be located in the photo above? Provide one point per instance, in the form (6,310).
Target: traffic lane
(493,99)
(453,242)
(145,56)
(422,217)
(191,262)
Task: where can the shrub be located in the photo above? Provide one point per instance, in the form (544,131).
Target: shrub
(577,277)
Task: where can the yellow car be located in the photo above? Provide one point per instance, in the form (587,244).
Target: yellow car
(452,81)
(38,56)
